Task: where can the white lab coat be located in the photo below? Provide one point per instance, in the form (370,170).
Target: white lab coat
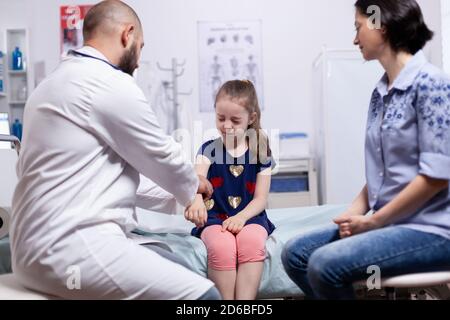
(152,197)
(88,133)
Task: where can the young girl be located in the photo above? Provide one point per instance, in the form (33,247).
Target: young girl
(233,223)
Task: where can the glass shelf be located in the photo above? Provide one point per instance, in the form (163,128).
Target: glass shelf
(17,72)
(17,81)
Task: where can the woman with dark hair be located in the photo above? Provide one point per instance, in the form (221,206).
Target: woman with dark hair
(407,167)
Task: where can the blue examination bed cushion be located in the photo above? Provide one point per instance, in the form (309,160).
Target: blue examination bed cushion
(174,230)
(289,222)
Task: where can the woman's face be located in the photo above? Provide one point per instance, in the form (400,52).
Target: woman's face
(371,41)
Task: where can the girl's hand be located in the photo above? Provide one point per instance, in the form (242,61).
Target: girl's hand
(351,225)
(196,212)
(234,224)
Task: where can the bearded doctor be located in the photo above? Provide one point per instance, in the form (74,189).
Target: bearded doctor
(88,134)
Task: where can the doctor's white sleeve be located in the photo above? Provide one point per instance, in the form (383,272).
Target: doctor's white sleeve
(150,196)
(122,117)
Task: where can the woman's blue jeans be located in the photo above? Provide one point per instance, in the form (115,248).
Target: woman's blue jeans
(325,266)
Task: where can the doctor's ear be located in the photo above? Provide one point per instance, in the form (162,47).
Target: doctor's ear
(127,35)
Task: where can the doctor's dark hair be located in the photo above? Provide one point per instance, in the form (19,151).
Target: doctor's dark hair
(404,23)
(243,92)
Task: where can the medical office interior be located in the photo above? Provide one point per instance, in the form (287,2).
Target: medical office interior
(313,86)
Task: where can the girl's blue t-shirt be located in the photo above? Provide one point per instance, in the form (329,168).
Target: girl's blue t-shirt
(234,183)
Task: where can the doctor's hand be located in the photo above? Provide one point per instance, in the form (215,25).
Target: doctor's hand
(354,224)
(205,187)
(196,212)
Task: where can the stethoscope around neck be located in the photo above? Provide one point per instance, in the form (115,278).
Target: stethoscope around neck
(84,55)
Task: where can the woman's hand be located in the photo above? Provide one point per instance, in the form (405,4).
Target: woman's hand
(341,220)
(234,224)
(196,212)
(353,224)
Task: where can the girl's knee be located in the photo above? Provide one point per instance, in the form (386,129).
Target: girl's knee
(251,244)
(221,248)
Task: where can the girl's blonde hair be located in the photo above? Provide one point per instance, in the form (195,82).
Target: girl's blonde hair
(243,92)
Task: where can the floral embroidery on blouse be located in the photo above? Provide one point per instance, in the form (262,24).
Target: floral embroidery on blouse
(434,106)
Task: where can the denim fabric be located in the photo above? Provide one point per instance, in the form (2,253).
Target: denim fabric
(325,266)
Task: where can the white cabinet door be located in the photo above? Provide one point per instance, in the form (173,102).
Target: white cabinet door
(345,87)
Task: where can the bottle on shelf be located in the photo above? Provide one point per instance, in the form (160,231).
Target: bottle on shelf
(17,59)
(17,129)
(2,71)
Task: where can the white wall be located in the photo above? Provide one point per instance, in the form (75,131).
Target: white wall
(433,18)
(446,34)
(293,33)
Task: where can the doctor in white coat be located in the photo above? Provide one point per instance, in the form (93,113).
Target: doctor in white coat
(88,133)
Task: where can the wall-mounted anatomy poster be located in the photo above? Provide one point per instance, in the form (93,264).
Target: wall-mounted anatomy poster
(228,50)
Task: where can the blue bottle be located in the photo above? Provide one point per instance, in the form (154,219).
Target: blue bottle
(1,72)
(17,129)
(17,61)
